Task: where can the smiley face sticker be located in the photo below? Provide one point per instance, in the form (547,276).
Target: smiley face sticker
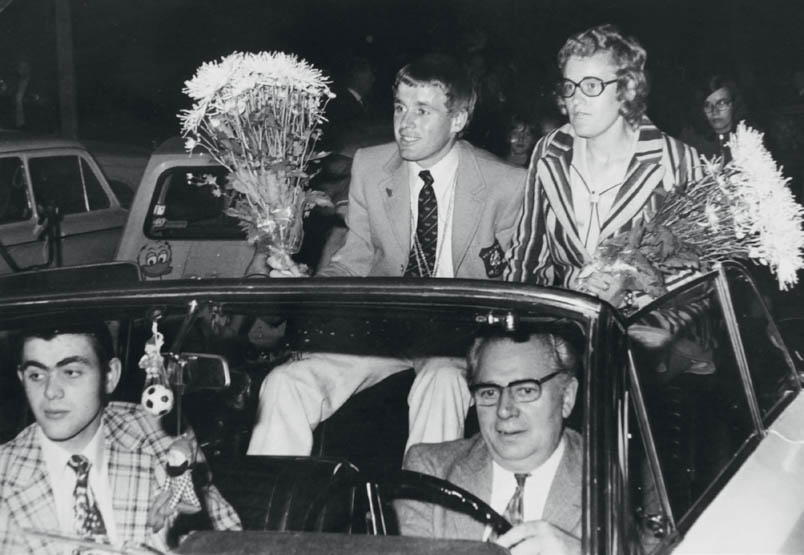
(154,259)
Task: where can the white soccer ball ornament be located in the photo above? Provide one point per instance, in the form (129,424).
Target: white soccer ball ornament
(157,399)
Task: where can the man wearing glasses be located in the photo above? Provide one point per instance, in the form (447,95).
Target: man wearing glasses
(600,173)
(524,462)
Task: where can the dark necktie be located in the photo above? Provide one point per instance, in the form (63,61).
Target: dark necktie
(88,519)
(515,510)
(422,259)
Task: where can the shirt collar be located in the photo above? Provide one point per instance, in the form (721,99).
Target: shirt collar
(356,94)
(56,456)
(443,171)
(547,469)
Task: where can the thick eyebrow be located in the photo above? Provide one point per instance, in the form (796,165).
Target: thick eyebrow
(63,362)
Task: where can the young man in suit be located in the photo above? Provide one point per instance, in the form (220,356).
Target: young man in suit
(120,496)
(524,462)
(426,205)
(606,169)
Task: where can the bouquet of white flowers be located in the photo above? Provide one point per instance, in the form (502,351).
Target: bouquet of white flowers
(743,209)
(258,115)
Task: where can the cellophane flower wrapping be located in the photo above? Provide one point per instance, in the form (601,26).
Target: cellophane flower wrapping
(740,210)
(259,116)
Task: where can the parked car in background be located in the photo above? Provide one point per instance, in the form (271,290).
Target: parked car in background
(177,228)
(56,206)
(690,410)
(123,166)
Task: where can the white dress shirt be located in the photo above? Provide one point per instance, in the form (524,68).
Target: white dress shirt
(445,173)
(537,487)
(62,480)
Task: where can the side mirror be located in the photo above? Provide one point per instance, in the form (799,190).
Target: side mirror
(198,371)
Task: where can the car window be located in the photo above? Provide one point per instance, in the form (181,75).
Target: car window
(772,373)
(183,208)
(649,521)
(694,395)
(57,181)
(96,196)
(14,203)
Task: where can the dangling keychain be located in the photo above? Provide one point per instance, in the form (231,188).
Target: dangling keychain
(157,397)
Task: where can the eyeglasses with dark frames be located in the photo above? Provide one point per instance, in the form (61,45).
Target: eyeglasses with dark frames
(590,86)
(523,391)
(718,106)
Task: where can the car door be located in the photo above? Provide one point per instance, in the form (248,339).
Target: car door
(18,245)
(711,381)
(91,217)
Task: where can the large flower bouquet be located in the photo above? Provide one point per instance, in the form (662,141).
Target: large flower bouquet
(258,115)
(740,210)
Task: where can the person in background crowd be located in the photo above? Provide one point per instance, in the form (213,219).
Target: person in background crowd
(598,174)
(721,103)
(521,140)
(427,205)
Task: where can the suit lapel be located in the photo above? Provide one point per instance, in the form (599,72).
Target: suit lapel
(553,173)
(644,174)
(32,503)
(473,474)
(395,192)
(129,468)
(469,198)
(563,505)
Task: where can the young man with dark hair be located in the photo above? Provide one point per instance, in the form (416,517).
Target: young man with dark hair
(86,467)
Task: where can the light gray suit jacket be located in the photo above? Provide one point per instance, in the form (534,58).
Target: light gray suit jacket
(467,463)
(488,198)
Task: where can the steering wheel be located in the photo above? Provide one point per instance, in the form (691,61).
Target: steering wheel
(408,484)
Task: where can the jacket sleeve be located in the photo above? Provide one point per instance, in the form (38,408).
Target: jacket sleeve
(416,518)
(509,213)
(529,259)
(356,255)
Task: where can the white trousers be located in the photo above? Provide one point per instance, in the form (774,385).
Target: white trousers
(298,395)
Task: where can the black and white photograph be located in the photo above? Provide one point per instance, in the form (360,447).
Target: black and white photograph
(368,277)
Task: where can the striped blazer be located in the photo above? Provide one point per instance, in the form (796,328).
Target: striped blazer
(547,248)
(136,451)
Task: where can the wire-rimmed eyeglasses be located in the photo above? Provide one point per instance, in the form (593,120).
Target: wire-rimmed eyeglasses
(718,106)
(590,86)
(522,391)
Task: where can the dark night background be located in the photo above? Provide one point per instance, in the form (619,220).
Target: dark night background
(132,58)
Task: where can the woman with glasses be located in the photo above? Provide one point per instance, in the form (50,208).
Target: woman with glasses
(720,106)
(601,172)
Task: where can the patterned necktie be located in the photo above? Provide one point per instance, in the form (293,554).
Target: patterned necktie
(515,510)
(422,259)
(87,517)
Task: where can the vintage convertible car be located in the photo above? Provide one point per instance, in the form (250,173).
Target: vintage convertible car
(690,409)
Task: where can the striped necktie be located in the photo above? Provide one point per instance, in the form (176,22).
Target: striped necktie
(422,259)
(87,517)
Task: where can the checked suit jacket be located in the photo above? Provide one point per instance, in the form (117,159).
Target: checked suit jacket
(135,451)
(547,247)
(488,198)
(467,463)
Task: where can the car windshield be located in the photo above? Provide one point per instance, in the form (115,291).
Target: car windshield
(256,333)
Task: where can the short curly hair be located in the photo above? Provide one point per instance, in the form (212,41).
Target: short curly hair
(626,53)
